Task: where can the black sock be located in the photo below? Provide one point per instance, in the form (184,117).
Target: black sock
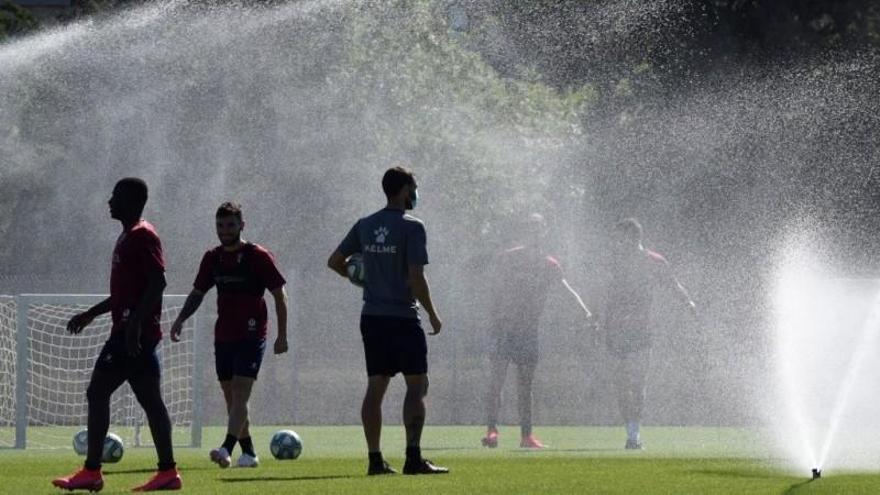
(165,466)
(92,466)
(525,429)
(229,443)
(414,453)
(376,458)
(247,446)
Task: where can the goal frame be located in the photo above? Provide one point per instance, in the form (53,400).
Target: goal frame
(22,352)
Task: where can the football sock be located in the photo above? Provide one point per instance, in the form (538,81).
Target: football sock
(632,431)
(376,457)
(414,453)
(247,446)
(229,443)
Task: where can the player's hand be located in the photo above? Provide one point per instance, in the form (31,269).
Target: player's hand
(176,330)
(592,323)
(436,324)
(79,322)
(133,339)
(280,345)
(692,308)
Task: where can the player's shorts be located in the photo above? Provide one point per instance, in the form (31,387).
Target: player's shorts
(241,358)
(114,359)
(394,345)
(519,346)
(622,343)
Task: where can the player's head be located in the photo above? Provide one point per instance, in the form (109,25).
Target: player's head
(627,234)
(230,223)
(400,185)
(128,199)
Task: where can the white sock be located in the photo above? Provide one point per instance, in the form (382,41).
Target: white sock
(632,431)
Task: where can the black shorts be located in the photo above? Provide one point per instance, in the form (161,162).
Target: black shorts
(394,345)
(518,346)
(242,358)
(114,359)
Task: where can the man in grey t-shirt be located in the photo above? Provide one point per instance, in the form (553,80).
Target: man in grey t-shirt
(393,246)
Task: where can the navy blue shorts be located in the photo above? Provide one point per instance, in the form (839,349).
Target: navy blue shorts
(114,359)
(517,345)
(394,345)
(242,358)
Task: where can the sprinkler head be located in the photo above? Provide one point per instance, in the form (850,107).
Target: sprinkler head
(817,473)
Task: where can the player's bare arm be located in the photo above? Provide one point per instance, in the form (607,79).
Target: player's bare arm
(418,284)
(152,295)
(190,306)
(280,295)
(82,320)
(337,263)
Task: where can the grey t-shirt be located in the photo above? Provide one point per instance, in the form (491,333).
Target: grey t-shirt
(390,241)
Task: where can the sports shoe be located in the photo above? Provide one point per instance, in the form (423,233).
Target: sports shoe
(422,466)
(633,445)
(248,461)
(380,468)
(162,480)
(531,442)
(221,457)
(491,439)
(84,479)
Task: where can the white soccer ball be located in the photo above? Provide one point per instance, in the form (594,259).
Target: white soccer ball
(113,448)
(286,444)
(355,269)
(81,442)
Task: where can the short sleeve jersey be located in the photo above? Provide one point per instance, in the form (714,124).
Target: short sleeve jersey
(522,280)
(390,241)
(241,278)
(137,254)
(631,295)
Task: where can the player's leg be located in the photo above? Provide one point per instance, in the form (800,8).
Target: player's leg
(411,356)
(224,364)
(249,456)
(498,372)
(525,379)
(623,389)
(238,410)
(638,365)
(371,417)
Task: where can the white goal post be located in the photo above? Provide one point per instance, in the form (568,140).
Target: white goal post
(44,372)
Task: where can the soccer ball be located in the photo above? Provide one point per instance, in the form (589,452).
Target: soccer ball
(355,269)
(81,442)
(286,444)
(113,446)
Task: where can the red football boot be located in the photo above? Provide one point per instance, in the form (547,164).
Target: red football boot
(491,439)
(530,442)
(162,480)
(84,479)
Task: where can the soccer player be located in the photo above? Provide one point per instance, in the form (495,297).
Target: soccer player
(393,246)
(242,271)
(523,278)
(637,273)
(137,280)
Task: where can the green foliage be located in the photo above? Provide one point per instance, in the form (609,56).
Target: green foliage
(15,20)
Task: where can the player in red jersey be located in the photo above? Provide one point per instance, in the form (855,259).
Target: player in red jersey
(524,276)
(637,273)
(137,281)
(242,272)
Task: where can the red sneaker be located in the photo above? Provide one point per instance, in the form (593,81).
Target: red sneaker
(530,442)
(491,439)
(162,480)
(84,479)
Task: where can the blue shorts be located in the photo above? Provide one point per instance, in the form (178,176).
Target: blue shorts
(114,359)
(242,358)
(394,345)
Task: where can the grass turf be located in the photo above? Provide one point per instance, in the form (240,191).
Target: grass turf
(579,460)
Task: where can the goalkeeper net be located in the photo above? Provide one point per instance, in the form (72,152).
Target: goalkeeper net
(45,373)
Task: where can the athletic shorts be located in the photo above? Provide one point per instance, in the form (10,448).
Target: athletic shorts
(114,359)
(518,346)
(621,343)
(394,345)
(242,358)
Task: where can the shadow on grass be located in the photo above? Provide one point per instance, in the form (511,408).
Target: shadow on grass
(136,471)
(291,478)
(549,449)
(797,486)
(440,449)
(735,474)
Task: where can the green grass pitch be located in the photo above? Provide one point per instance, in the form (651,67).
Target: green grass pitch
(578,460)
